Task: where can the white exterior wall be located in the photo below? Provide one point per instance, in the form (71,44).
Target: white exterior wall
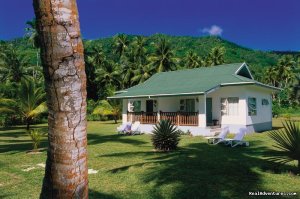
(225,92)
(261,121)
(202,111)
(168,104)
(264,112)
(124,110)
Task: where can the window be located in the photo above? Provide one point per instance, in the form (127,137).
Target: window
(252,106)
(230,106)
(182,106)
(190,105)
(187,105)
(264,102)
(136,106)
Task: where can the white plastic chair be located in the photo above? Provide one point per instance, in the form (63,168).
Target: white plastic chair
(135,128)
(219,138)
(238,139)
(124,128)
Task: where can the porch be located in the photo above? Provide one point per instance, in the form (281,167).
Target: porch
(177,118)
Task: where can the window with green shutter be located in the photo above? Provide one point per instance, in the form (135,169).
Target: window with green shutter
(252,106)
(136,106)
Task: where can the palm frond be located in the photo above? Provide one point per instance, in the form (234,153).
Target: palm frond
(42,108)
(287,143)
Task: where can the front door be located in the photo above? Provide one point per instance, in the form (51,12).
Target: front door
(208,111)
(149,107)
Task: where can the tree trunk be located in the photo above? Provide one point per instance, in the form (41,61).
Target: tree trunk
(62,57)
(27,125)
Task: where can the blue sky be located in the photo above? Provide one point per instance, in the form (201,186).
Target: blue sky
(258,24)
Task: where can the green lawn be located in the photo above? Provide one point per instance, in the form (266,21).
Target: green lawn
(129,168)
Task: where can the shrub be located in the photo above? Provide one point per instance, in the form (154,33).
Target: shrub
(165,136)
(36,138)
(287,142)
(109,109)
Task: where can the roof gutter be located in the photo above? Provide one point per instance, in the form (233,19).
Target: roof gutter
(253,83)
(157,95)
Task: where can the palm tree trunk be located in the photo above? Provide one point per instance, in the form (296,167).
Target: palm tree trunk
(27,124)
(62,57)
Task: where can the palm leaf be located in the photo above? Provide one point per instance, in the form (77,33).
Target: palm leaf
(42,108)
(287,143)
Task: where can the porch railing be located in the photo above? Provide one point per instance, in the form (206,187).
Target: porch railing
(177,118)
(181,118)
(143,117)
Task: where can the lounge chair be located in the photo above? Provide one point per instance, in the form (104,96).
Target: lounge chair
(238,139)
(135,128)
(219,138)
(126,127)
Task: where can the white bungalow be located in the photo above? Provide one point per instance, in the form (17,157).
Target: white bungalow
(200,99)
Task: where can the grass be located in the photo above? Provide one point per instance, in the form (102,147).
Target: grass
(129,168)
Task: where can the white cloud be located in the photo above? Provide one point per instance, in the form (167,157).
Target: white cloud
(213,30)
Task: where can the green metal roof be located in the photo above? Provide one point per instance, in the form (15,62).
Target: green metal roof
(190,81)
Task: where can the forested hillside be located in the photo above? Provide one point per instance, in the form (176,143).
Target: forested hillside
(123,61)
(202,46)
(181,45)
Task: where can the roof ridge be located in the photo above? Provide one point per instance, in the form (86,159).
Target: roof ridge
(201,67)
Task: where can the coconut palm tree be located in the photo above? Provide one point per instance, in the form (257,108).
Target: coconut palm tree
(163,58)
(31,101)
(31,32)
(6,105)
(108,75)
(287,144)
(13,66)
(139,49)
(121,44)
(216,56)
(58,27)
(285,68)
(96,56)
(142,73)
(271,76)
(192,60)
(296,85)
(129,64)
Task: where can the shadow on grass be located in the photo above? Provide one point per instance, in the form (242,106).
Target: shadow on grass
(96,195)
(23,143)
(21,147)
(99,139)
(274,128)
(18,131)
(201,171)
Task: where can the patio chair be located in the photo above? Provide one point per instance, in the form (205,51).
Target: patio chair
(126,127)
(219,138)
(135,128)
(238,139)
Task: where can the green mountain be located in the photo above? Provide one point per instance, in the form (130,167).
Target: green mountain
(182,44)
(202,46)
